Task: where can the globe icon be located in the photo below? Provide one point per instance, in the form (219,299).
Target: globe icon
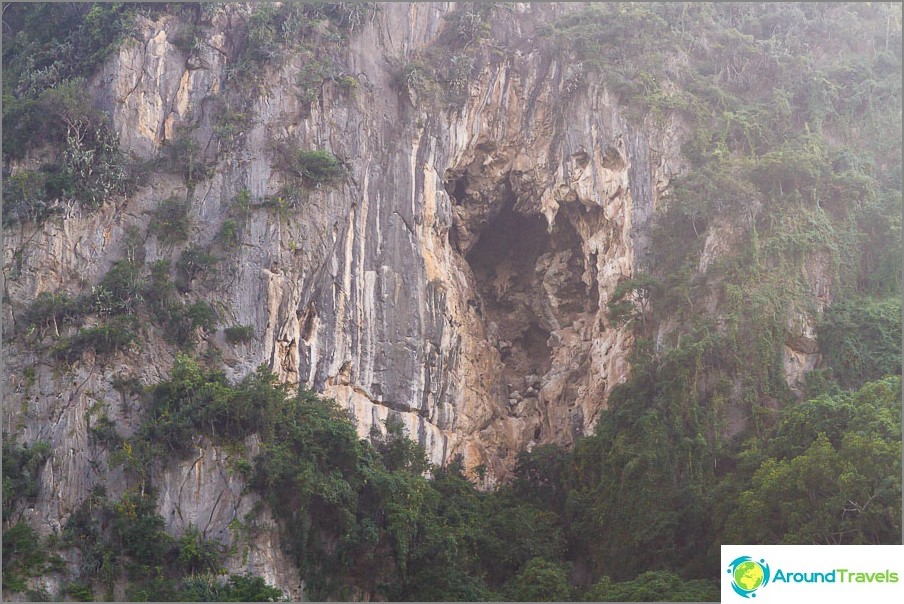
(748,575)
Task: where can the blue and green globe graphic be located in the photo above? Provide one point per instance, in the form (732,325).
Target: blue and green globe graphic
(748,575)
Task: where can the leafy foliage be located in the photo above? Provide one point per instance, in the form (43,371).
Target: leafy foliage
(654,586)
(171,220)
(125,539)
(103,339)
(831,474)
(20,470)
(861,339)
(238,588)
(313,167)
(25,555)
(239,333)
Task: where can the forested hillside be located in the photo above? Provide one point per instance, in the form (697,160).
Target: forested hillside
(760,316)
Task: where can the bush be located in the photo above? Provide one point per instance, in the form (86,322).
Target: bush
(25,555)
(238,588)
(21,466)
(103,432)
(654,586)
(120,291)
(160,290)
(53,309)
(78,591)
(311,75)
(171,221)
(312,167)
(319,166)
(541,581)
(25,197)
(186,157)
(860,339)
(239,333)
(229,234)
(183,321)
(192,262)
(232,119)
(101,340)
(414,77)
(198,554)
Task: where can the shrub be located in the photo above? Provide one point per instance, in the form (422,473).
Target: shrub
(414,77)
(540,581)
(242,201)
(192,262)
(318,166)
(93,167)
(229,234)
(171,221)
(79,592)
(55,308)
(25,555)
(197,553)
(860,339)
(239,333)
(102,340)
(20,472)
(186,157)
(232,119)
(120,291)
(311,75)
(103,432)
(25,197)
(183,321)
(238,588)
(159,292)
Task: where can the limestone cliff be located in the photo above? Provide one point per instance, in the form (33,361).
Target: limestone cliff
(456,276)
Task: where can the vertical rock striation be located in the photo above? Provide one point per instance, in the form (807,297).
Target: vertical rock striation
(457,277)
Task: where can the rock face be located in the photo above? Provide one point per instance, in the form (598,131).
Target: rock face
(457,277)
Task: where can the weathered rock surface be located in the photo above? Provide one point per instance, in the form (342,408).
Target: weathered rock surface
(458,277)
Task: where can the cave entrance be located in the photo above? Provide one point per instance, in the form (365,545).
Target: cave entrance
(504,261)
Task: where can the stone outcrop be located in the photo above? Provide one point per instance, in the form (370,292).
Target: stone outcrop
(457,277)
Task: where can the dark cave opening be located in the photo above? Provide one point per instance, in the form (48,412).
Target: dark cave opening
(503,261)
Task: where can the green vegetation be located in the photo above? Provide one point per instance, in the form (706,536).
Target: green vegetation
(101,340)
(237,588)
(317,167)
(654,586)
(183,321)
(463,45)
(171,222)
(239,333)
(184,156)
(25,555)
(49,54)
(228,236)
(120,290)
(861,339)
(52,309)
(126,539)
(359,514)
(89,167)
(793,163)
(192,263)
(830,474)
(118,300)
(631,299)
(21,466)
(793,167)
(311,167)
